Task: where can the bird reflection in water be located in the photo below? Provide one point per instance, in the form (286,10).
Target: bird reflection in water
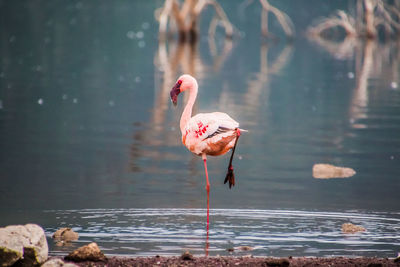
(208,225)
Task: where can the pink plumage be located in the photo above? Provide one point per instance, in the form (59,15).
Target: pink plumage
(210,133)
(206,133)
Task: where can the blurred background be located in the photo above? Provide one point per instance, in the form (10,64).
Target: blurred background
(86,127)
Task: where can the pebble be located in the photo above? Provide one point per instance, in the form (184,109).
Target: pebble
(187,256)
(350,228)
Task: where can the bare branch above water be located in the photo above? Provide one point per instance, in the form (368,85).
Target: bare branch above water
(283,19)
(186,16)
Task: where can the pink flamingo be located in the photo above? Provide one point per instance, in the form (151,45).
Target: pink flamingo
(205,134)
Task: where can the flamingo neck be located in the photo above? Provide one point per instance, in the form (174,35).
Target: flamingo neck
(187,112)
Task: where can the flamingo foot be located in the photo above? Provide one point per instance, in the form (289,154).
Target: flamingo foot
(230,176)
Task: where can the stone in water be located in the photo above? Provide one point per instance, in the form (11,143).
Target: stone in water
(327,171)
(65,234)
(349,228)
(89,252)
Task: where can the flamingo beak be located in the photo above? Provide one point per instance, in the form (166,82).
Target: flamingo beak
(175,91)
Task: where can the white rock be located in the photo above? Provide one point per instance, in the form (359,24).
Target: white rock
(26,242)
(327,171)
(58,263)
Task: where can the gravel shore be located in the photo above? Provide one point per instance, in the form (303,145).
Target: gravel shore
(241,261)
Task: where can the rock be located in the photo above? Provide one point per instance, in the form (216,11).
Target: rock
(397,259)
(65,234)
(58,263)
(26,244)
(187,256)
(327,171)
(62,243)
(277,262)
(89,252)
(350,228)
(245,248)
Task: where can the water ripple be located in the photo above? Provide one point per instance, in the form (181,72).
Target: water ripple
(145,232)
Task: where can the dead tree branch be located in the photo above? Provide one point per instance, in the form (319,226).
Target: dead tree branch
(283,19)
(186,17)
(340,19)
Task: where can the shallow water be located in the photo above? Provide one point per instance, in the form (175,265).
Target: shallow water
(148,232)
(89,139)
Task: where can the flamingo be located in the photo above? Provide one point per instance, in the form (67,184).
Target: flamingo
(205,134)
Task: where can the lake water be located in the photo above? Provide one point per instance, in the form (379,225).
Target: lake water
(90,140)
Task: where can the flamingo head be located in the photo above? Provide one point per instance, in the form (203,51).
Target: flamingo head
(175,91)
(185,82)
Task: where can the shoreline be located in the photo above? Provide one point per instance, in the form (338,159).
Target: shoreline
(189,260)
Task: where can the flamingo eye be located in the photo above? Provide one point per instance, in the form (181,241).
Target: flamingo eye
(180,82)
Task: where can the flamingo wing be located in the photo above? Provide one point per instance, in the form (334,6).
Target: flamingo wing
(208,125)
(206,130)
(220,130)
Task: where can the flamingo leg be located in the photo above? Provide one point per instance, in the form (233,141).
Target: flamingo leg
(205,168)
(208,190)
(230,176)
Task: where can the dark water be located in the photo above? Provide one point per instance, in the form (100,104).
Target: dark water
(89,140)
